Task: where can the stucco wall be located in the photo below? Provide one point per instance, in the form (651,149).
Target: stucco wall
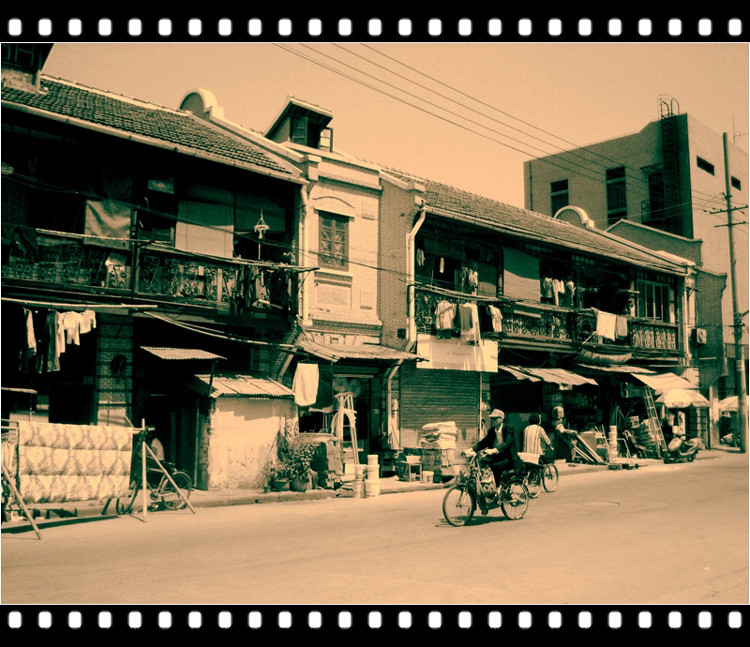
(242,438)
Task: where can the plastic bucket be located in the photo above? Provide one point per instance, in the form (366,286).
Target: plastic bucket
(372,488)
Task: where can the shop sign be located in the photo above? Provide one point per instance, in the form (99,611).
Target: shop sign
(454,355)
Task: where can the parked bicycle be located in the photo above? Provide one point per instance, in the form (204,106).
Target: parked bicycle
(543,475)
(475,487)
(168,492)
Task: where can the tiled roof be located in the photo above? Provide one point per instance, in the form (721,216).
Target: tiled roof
(164,125)
(486,212)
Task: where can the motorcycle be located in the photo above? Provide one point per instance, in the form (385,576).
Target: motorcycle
(475,486)
(680,450)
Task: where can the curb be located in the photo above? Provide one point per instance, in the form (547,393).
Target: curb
(98,510)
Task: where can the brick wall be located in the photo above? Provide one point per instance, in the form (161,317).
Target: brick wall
(397,216)
(114,369)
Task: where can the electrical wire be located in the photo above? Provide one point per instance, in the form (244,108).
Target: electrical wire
(632,179)
(565,165)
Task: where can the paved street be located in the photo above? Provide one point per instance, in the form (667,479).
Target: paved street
(673,534)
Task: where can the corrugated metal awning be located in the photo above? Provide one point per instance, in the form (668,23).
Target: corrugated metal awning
(335,352)
(231,385)
(180,353)
(619,368)
(516,372)
(553,375)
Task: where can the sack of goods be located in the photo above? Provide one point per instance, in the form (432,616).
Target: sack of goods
(439,435)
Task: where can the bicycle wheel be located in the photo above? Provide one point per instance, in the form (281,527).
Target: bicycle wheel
(170,497)
(550,477)
(124,504)
(514,499)
(534,482)
(458,505)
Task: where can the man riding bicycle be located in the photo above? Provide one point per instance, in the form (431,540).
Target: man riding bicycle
(498,449)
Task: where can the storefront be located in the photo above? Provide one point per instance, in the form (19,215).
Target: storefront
(327,378)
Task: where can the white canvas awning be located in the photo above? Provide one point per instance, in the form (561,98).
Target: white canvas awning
(661,382)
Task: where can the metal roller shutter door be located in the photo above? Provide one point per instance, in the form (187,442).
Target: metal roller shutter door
(432,395)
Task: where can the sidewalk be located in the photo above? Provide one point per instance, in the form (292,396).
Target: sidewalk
(91,510)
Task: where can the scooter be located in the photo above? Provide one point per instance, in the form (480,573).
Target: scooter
(680,450)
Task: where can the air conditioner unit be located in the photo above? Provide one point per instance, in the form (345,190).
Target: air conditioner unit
(699,336)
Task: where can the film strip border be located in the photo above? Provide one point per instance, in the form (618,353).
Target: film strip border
(503,28)
(537,620)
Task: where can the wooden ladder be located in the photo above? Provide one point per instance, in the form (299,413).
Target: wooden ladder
(345,413)
(653,417)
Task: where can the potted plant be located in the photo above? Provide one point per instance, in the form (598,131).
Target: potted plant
(278,476)
(300,453)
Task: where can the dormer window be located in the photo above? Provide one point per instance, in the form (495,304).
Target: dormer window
(303,124)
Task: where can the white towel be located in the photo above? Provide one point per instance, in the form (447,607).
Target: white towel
(605,325)
(305,384)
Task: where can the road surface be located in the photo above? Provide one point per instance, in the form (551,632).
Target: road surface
(664,534)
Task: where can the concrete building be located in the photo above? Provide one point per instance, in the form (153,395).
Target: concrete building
(669,178)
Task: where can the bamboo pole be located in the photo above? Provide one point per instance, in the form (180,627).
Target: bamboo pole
(21,502)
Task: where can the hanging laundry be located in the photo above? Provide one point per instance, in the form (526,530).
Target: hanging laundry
(71,323)
(605,325)
(569,293)
(30,337)
(445,315)
(469,317)
(558,290)
(48,359)
(621,327)
(88,321)
(547,290)
(324,396)
(497,318)
(305,385)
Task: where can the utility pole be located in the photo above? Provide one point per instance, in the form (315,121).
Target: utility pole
(739,363)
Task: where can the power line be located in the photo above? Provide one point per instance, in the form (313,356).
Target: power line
(571,166)
(577,147)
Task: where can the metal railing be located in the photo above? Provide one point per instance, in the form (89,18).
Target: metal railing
(141,269)
(549,323)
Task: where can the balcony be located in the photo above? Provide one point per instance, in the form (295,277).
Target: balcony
(55,260)
(527,323)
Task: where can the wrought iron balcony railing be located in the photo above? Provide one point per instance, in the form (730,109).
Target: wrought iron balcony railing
(133,268)
(551,324)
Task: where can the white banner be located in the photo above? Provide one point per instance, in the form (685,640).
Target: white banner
(454,355)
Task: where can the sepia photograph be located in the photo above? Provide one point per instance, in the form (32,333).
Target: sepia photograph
(375,323)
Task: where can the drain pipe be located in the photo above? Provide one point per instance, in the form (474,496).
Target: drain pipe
(411,329)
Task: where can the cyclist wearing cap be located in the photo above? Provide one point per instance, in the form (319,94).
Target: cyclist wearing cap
(499,449)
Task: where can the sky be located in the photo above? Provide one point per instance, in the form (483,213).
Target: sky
(465,114)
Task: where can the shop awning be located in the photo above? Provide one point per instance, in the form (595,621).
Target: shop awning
(518,373)
(553,375)
(664,381)
(231,385)
(336,352)
(682,399)
(180,353)
(618,368)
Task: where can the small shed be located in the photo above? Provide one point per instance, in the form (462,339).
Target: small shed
(240,430)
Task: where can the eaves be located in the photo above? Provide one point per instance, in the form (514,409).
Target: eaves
(659,264)
(156,143)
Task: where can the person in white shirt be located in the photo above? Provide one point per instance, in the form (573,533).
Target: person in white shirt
(534,435)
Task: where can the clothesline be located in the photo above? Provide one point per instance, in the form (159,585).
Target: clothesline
(78,306)
(460,295)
